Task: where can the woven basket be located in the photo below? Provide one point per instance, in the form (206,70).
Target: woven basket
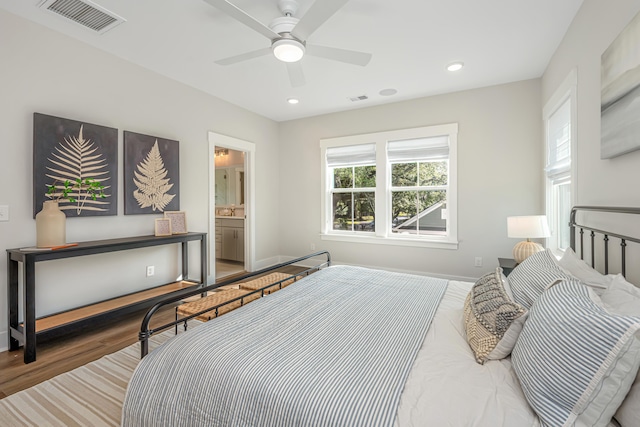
(263,281)
(213,299)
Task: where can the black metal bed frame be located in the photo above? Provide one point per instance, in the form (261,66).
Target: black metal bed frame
(146,333)
(573,225)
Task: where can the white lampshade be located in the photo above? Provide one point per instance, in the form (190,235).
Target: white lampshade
(527,227)
(288,50)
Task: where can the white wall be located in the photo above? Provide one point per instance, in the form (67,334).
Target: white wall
(610,182)
(43,71)
(597,24)
(499,164)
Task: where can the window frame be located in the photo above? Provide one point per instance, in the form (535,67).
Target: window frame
(383,234)
(566,92)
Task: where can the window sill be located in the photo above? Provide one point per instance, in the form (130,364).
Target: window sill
(393,241)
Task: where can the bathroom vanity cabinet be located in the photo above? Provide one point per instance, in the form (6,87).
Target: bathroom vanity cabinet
(230,238)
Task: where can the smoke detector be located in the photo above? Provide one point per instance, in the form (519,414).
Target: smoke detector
(85,13)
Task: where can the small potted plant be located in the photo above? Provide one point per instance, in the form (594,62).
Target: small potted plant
(51,221)
(83,188)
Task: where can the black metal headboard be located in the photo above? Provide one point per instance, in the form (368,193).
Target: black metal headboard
(617,218)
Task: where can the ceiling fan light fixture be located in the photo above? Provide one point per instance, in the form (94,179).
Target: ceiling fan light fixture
(288,50)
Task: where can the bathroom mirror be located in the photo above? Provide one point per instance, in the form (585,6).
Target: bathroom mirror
(229,186)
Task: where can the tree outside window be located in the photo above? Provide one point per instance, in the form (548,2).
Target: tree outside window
(415,187)
(353,199)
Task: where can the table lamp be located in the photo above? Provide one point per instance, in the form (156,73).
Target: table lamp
(527,227)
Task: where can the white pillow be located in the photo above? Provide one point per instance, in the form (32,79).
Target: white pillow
(624,298)
(576,361)
(628,414)
(572,264)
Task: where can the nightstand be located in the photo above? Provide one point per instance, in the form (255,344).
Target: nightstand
(507,265)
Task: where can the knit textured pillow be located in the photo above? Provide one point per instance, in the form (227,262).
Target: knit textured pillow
(492,319)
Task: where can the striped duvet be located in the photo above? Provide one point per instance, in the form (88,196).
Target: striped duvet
(334,348)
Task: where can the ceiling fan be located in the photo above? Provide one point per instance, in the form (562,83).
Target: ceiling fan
(289,36)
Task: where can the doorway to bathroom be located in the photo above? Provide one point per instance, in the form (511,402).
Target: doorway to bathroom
(229,205)
(230,235)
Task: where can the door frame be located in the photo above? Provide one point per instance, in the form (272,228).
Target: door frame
(249,149)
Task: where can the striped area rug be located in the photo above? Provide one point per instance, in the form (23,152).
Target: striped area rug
(90,395)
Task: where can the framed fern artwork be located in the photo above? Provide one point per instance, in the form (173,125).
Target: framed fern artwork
(151,174)
(66,150)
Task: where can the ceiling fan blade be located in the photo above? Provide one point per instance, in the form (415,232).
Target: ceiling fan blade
(317,14)
(296,75)
(342,55)
(241,16)
(244,56)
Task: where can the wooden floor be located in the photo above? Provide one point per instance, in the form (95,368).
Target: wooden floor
(64,354)
(228,268)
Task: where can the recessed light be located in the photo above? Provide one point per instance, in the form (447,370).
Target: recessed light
(388,92)
(455,66)
(293,100)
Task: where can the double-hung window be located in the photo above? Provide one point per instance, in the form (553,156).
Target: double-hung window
(559,116)
(353,199)
(419,183)
(396,187)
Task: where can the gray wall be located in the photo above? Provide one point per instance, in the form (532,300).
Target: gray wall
(499,174)
(43,71)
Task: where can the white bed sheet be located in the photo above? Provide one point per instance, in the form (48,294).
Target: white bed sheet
(446,387)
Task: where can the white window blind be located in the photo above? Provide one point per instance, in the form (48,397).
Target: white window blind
(416,150)
(559,142)
(352,155)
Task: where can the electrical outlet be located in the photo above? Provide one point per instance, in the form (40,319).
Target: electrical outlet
(4,213)
(478,262)
(151,270)
(312,246)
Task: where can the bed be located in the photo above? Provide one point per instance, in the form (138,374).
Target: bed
(555,343)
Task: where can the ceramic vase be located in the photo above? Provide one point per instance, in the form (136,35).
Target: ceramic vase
(50,225)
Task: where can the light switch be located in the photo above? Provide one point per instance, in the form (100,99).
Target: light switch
(4,213)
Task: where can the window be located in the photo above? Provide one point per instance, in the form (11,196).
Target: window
(396,187)
(354,185)
(559,116)
(419,181)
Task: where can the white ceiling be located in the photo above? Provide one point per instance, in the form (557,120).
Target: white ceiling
(412,41)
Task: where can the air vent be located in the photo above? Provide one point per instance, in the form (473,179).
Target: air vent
(358,98)
(85,13)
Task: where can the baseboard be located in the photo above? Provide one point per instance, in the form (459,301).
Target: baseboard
(419,273)
(4,339)
(310,263)
(268,262)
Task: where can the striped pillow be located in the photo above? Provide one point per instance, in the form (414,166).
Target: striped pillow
(530,278)
(576,361)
